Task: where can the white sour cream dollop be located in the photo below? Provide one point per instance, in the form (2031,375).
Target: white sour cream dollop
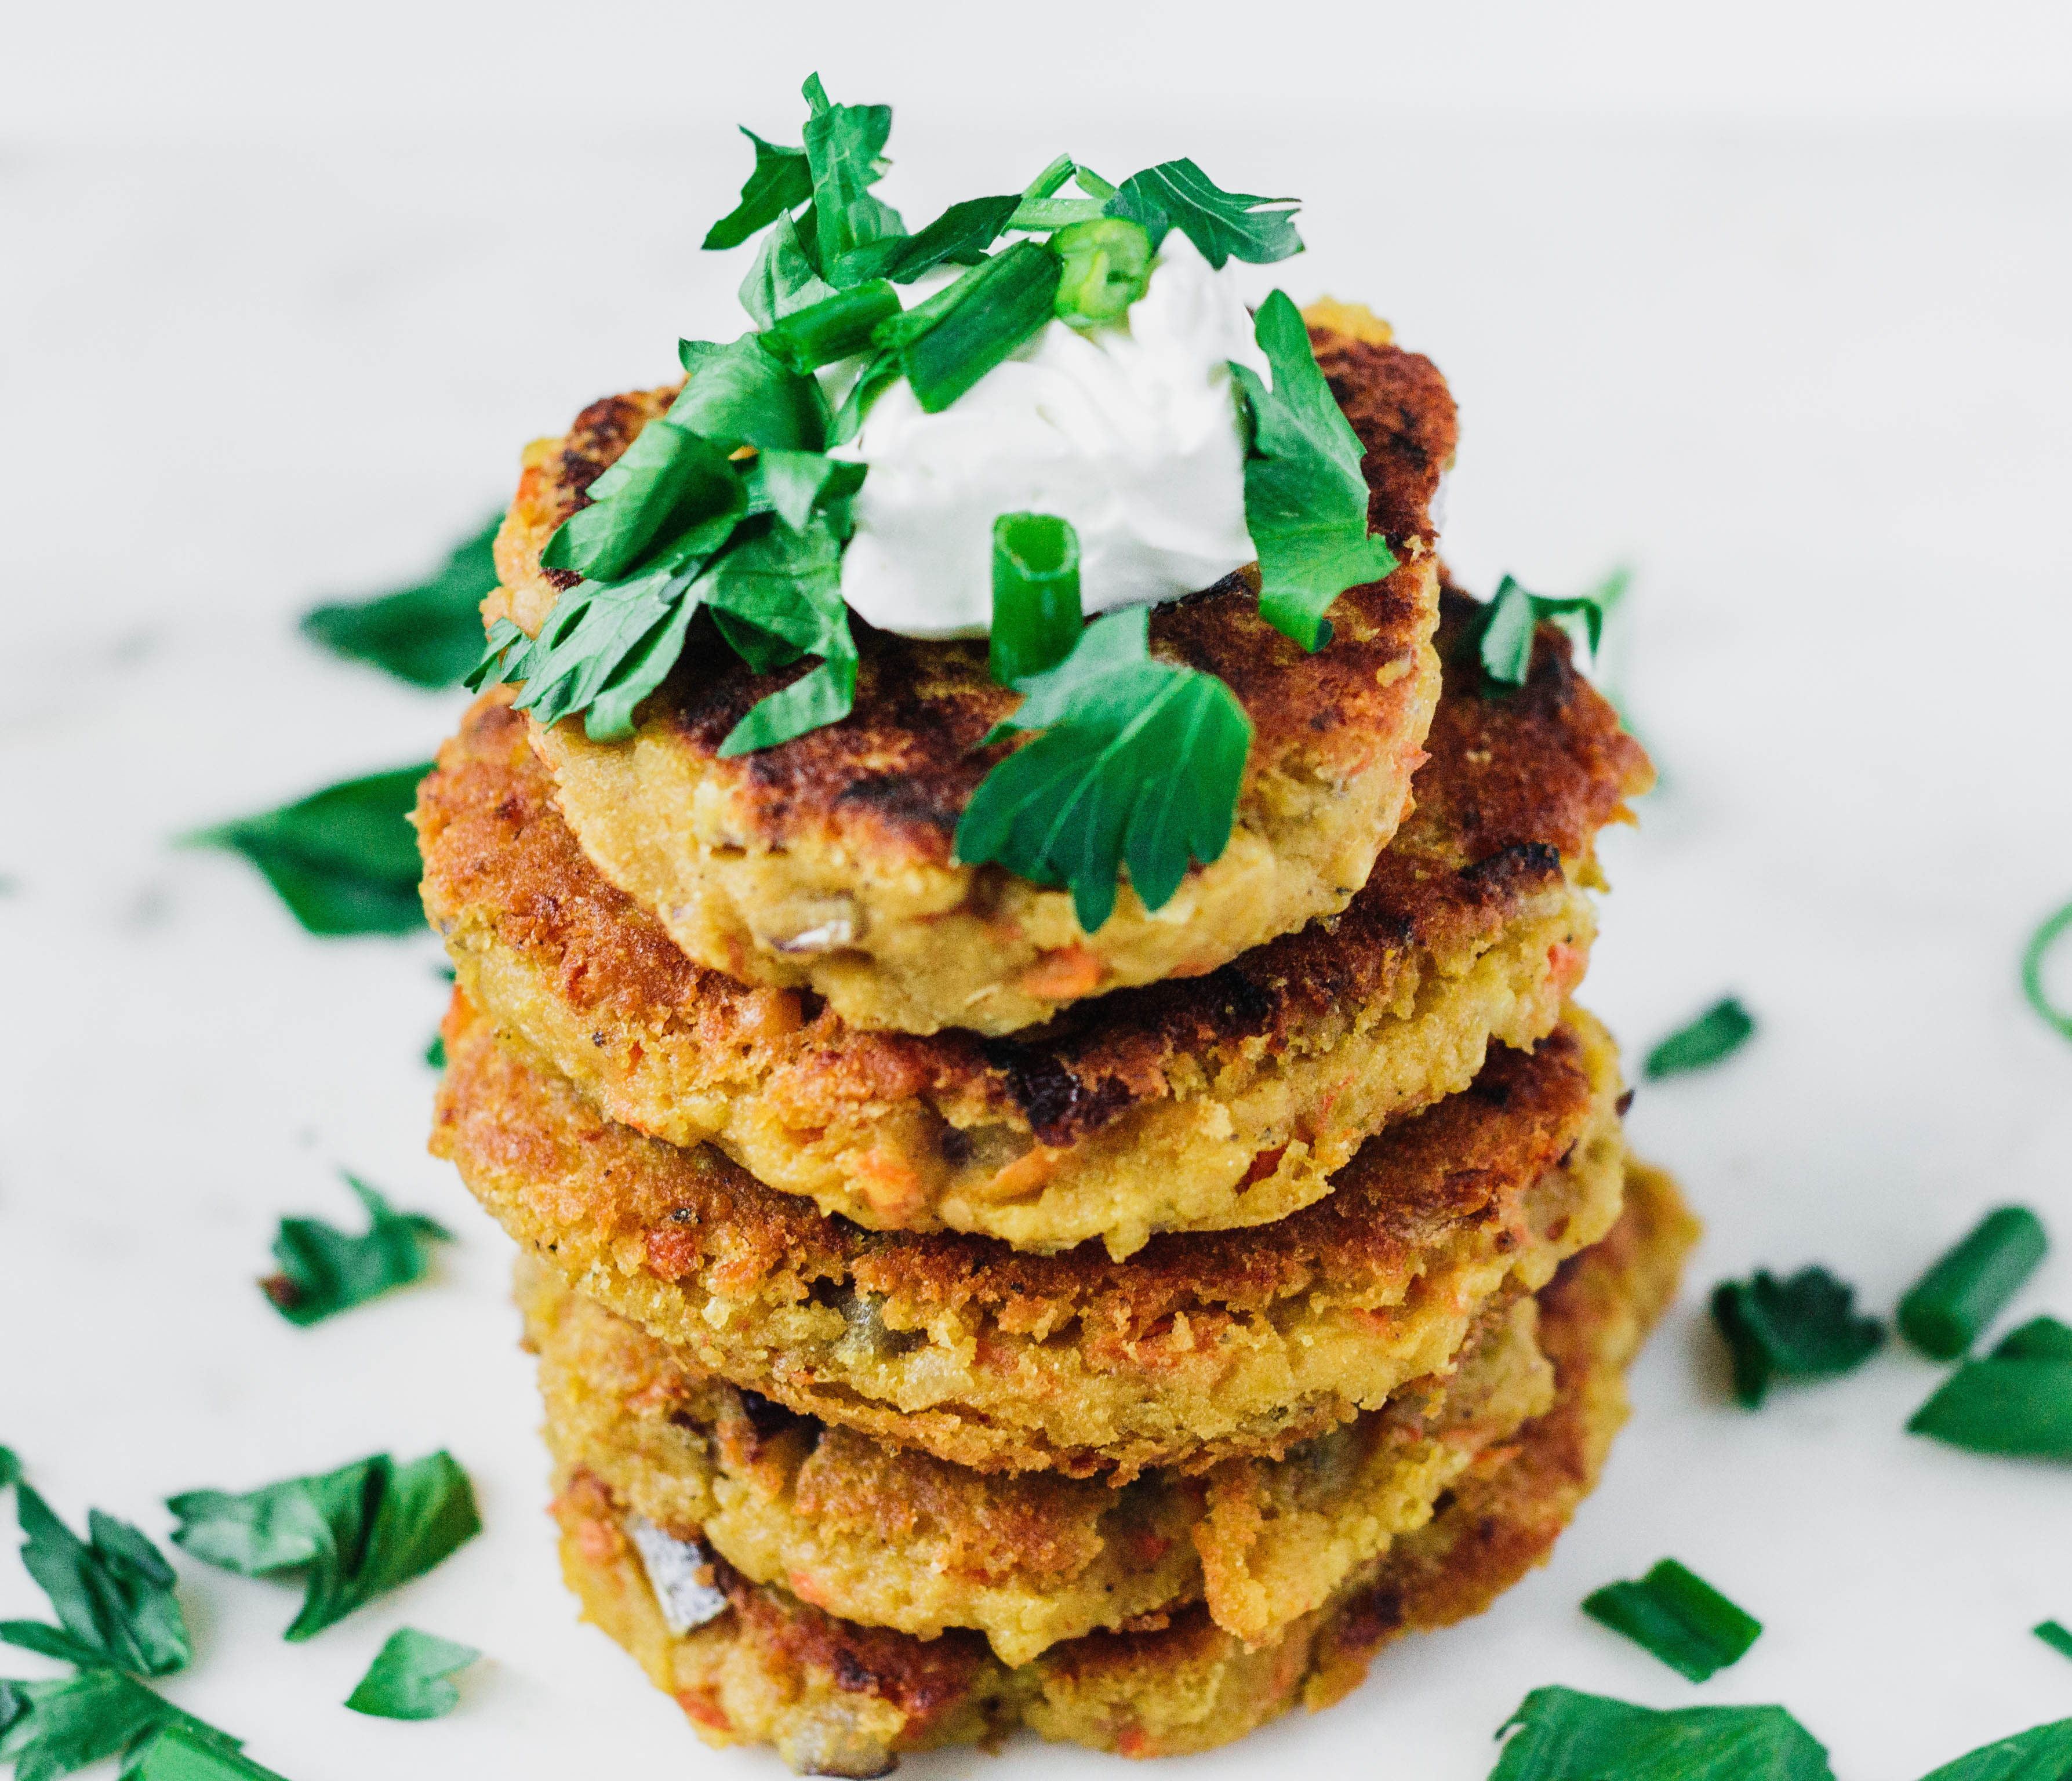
(1130,432)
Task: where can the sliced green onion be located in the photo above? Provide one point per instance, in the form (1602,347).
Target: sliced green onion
(833,328)
(2040,944)
(1949,1305)
(2041,1339)
(1802,1328)
(1092,184)
(2055,1636)
(1677,1616)
(1717,1033)
(1049,180)
(2003,1407)
(1036,613)
(945,345)
(1107,268)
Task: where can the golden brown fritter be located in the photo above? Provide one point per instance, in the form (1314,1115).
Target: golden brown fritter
(1200,1345)
(835,1697)
(891,1537)
(825,863)
(1200,1104)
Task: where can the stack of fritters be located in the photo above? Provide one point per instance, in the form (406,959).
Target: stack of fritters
(949,1319)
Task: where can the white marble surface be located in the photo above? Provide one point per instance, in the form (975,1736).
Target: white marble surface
(1815,385)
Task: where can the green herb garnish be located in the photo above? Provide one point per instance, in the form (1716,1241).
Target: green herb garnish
(1946,1309)
(54,1727)
(1036,616)
(1097,789)
(407,1679)
(112,1592)
(1561,1735)
(1804,1328)
(845,151)
(1715,1035)
(2043,1754)
(2058,1637)
(2041,1339)
(1676,1615)
(1305,499)
(835,327)
(358,1531)
(1225,225)
(1996,1406)
(428,634)
(2040,944)
(782,181)
(667,477)
(1106,267)
(188,1750)
(344,859)
(945,345)
(10,1467)
(325,1270)
(1505,627)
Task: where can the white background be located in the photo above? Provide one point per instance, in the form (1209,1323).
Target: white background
(1769,301)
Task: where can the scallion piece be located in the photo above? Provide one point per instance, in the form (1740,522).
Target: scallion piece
(1107,268)
(1679,1617)
(2055,1636)
(945,345)
(2040,944)
(1949,1305)
(1036,613)
(2041,1339)
(833,328)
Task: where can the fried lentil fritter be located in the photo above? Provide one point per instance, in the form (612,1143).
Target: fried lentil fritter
(891,1537)
(1201,1103)
(835,1697)
(826,863)
(1201,1345)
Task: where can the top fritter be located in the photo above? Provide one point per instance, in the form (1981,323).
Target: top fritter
(805,640)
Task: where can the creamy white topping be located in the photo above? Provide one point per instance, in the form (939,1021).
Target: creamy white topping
(1130,432)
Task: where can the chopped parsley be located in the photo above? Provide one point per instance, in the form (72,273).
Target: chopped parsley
(407,1679)
(1558,1734)
(54,1727)
(2043,1754)
(2033,957)
(1225,225)
(344,860)
(1098,788)
(325,1270)
(1503,629)
(112,1592)
(1674,1615)
(1804,1328)
(1714,1036)
(1305,499)
(10,1467)
(188,1750)
(435,1053)
(428,634)
(1948,1308)
(2058,1637)
(365,1529)
(2003,1405)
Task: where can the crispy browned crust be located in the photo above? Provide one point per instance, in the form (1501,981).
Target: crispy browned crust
(836,1697)
(1007,1361)
(891,779)
(1517,785)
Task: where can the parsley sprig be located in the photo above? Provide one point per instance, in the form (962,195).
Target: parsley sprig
(325,1270)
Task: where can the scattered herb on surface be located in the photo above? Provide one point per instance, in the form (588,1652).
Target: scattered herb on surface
(1558,1734)
(11,1468)
(357,1532)
(2041,1339)
(430,635)
(1098,788)
(435,1053)
(325,1270)
(2043,1754)
(1804,1328)
(53,1728)
(112,1592)
(2033,957)
(344,859)
(2056,1636)
(188,1750)
(1676,1615)
(407,1679)
(1946,1310)
(2021,1407)
(1305,498)
(1716,1034)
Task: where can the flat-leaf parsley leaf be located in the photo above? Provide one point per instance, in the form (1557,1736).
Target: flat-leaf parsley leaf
(1714,1036)
(1225,225)
(358,1531)
(1799,1328)
(407,1679)
(1558,1734)
(325,1270)
(113,1593)
(428,634)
